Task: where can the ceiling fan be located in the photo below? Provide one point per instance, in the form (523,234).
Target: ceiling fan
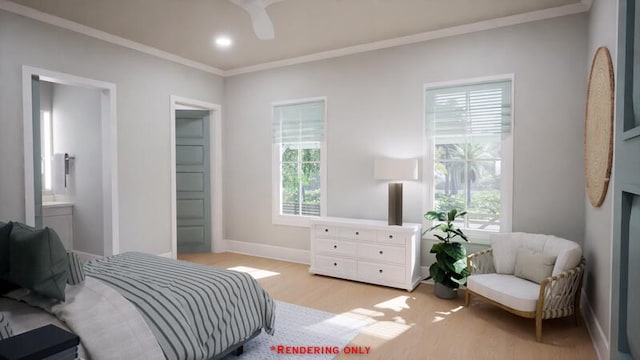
(257,9)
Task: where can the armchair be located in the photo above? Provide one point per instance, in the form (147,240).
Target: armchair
(493,277)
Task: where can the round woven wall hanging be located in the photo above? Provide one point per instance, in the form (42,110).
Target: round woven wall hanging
(598,127)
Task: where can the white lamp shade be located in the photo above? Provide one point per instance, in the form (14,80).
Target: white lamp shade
(395,169)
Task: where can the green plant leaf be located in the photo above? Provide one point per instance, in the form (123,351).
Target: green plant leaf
(459,266)
(436,273)
(455,250)
(452,214)
(435,215)
(440,237)
(436,248)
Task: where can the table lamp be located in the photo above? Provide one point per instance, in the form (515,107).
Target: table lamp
(395,170)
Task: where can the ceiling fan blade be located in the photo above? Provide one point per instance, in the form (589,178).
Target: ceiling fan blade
(262,25)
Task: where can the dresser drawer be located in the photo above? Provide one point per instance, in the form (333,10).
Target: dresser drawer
(381,272)
(321,230)
(357,234)
(334,264)
(336,247)
(392,237)
(378,252)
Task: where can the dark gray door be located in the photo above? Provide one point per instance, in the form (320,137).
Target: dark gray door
(625,299)
(192,181)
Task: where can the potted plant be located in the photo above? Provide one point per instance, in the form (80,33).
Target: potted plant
(450,269)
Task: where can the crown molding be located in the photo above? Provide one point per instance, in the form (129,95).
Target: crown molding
(571,9)
(98,34)
(580,7)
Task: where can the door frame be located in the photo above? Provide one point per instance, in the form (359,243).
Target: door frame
(215,169)
(109,133)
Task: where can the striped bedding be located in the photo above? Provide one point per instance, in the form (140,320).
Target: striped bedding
(195,311)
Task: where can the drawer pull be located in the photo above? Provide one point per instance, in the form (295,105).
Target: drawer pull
(380,252)
(380,271)
(357,233)
(390,236)
(335,246)
(335,264)
(326,230)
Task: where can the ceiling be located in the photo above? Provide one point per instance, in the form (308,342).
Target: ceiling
(302,27)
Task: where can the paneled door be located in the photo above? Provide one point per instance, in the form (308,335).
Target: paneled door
(625,299)
(193,191)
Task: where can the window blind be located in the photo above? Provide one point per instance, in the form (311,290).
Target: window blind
(478,110)
(297,123)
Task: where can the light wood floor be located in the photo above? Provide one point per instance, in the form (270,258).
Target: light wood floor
(414,325)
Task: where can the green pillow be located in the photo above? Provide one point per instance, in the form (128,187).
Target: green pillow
(38,261)
(533,266)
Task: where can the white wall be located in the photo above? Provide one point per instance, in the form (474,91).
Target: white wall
(603,31)
(77,130)
(375,108)
(143,85)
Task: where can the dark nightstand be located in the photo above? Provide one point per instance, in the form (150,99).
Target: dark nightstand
(48,342)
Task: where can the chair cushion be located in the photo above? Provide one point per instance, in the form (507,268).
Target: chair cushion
(505,246)
(516,293)
(533,266)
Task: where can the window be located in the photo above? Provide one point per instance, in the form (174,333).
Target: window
(468,131)
(299,161)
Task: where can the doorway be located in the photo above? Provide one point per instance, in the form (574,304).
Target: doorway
(104,164)
(196,177)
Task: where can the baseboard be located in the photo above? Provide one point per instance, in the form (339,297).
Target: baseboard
(268,251)
(85,257)
(600,341)
(167,255)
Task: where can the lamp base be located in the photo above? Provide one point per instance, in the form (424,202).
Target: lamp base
(395,204)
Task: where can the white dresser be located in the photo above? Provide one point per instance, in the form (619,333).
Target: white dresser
(366,250)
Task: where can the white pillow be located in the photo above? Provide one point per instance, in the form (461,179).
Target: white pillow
(533,266)
(504,246)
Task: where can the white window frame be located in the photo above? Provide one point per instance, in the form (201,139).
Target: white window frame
(506,166)
(276,172)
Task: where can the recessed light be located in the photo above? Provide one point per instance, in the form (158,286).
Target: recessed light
(223,41)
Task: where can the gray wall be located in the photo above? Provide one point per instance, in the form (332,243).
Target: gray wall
(77,131)
(603,31)
(144,84)
(375,108)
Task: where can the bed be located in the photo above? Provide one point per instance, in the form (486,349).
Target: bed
(149,307)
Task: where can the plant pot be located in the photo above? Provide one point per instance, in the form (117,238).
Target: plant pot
(445,292)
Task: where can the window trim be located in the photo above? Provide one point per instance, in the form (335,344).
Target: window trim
(297,220)
(506,194)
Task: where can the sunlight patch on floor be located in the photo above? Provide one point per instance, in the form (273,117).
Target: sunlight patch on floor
(255,273)
(366,312)
(438,318)
(385,330)
(395,304)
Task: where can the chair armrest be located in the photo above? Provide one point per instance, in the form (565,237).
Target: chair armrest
(559,294)
(481,262)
